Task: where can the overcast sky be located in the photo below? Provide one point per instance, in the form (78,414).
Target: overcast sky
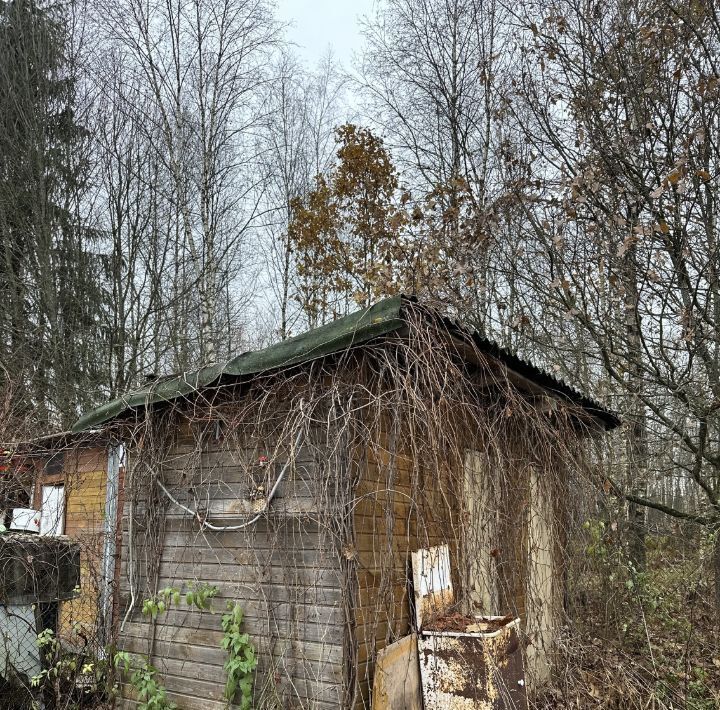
(319,24)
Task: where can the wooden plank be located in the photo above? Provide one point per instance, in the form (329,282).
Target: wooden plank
(84,478)
(324,650)
(419,518)
(309,611)
(299,559)
(285,568)
(188,702)
(204,663)
(191,627)
(175,679)
(173,572)
(299,537)
(269,593)
(397,677)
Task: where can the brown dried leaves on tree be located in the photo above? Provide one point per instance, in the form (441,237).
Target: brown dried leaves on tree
(358,235)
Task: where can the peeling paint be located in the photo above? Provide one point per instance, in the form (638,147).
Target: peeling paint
(483,671)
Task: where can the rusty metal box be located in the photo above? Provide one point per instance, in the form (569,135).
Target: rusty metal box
(473,669)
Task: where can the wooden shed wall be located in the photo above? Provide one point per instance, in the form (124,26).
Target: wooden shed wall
(83,475)
(284,570)
(401,507)
(288,570)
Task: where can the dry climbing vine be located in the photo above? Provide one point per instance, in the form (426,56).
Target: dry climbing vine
(304,488)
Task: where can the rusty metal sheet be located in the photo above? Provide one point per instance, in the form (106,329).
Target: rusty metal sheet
(482,671)
(396,685)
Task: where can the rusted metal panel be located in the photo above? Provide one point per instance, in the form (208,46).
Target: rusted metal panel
(397,677)
(463,670)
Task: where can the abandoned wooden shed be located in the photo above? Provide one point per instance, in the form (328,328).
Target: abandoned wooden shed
(58,505)
(297,481)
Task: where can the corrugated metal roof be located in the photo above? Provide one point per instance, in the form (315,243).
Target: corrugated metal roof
(48,443)
(537,375)
(382,318)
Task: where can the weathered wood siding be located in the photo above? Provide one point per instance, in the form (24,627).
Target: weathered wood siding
(510,548)
(83,474)
(284,570)
(324,578)
(515,531)
(401,506)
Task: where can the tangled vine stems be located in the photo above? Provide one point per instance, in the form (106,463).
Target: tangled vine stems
(375,440)
(143,675)
(239,667)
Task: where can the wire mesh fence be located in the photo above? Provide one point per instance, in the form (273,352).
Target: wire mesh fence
(53,628)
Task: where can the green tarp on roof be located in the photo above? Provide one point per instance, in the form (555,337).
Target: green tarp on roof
(380,319)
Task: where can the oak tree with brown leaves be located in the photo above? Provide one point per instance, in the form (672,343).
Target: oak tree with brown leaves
(344,231)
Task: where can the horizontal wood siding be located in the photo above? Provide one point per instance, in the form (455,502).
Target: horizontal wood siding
(284,570)
(401,507)
(84,477)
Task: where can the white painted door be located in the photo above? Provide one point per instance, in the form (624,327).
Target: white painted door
(52,513)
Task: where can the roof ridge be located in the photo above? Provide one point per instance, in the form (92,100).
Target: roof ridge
(380,318)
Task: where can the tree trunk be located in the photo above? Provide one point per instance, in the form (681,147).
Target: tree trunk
(637,474)
(716,574)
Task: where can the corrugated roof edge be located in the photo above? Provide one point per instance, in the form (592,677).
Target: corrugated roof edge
(359,327)
(551,383)
(58,441)
(537,375)
(379,319)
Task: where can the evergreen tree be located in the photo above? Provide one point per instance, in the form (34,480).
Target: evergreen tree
(50,279)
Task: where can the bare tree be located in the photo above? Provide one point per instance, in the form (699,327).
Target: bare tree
(204,65)
(137,224)
(303,110)
(434,73)
(621,110)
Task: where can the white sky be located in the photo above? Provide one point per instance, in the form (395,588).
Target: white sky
(319,24)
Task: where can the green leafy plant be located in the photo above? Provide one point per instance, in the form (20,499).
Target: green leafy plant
(161,602)
(49,647)
(198,595)
(142,674)
(241,662)
(59,666)
(143,678)
(78,679)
